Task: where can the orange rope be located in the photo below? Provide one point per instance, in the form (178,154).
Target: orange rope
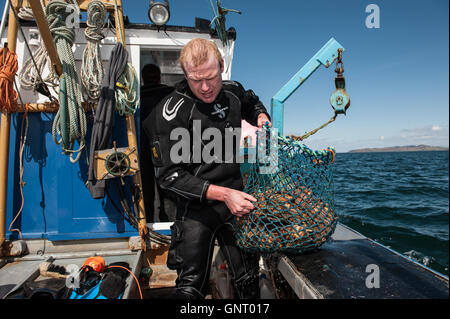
(23,138)
(330,150)
(8,70)
(137,281)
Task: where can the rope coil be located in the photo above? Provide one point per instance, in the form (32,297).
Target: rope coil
(8,70)
(127,99)
(38,64)
(92,70)
(70,121)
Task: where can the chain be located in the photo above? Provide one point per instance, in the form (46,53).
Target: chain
(339,70)
(339,64)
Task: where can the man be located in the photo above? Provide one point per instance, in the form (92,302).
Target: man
(152,92)
(209,191)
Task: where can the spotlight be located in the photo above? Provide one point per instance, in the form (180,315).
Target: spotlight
(159,12)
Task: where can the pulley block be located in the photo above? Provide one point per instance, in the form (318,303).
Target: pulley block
(340,100)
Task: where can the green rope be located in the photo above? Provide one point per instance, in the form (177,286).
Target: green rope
(72,125)
(127,92)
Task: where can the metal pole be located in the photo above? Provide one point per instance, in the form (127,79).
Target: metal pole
(5,131)
(5,11)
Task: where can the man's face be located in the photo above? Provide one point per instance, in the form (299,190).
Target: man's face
(205,80)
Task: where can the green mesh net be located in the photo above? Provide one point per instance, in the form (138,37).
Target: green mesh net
(295,211)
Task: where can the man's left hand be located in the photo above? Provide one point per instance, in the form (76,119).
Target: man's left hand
(262,119)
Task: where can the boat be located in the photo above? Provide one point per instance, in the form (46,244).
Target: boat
(61,224)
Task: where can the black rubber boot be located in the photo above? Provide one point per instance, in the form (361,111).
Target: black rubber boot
(247,286)
(187,293)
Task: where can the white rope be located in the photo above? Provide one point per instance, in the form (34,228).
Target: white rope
(25,13)
(92,70)
(28,75)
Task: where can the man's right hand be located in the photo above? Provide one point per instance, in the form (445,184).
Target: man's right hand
(239,203)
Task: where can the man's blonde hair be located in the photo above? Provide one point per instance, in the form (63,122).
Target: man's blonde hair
(197,52)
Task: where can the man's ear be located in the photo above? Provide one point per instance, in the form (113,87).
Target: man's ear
(222,68)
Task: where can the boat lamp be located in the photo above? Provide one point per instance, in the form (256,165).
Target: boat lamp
(159,12)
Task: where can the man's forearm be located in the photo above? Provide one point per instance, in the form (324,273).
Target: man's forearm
(215,192)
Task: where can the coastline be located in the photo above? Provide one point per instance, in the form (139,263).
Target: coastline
(408,148)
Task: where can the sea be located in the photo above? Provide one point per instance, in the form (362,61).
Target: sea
(399,199)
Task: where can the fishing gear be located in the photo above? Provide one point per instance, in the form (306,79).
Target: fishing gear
(295,209)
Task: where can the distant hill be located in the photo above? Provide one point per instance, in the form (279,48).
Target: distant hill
(407,148)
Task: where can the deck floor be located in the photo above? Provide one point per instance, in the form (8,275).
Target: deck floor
(347,269)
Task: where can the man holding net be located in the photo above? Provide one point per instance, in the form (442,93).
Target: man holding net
(209,191)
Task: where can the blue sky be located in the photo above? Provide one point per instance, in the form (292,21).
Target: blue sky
(396,75)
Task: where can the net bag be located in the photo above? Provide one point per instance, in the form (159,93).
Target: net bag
(295,210)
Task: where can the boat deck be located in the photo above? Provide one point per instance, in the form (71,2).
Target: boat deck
(353,266)
(349,266)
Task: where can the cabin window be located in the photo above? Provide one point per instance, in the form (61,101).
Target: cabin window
(167,60)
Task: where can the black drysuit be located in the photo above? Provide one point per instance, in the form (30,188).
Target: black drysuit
(154,198)
(199,221)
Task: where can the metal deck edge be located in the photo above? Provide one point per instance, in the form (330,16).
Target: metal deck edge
(298,282)
(131,284)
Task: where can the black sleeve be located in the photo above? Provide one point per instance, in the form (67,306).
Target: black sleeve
(172,172)
(251,106)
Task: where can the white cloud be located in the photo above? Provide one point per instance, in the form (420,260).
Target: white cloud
(433,135)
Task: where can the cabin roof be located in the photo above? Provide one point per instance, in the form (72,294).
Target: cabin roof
(201,27)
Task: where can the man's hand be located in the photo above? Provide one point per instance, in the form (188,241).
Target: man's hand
(239,203)
(262,119)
